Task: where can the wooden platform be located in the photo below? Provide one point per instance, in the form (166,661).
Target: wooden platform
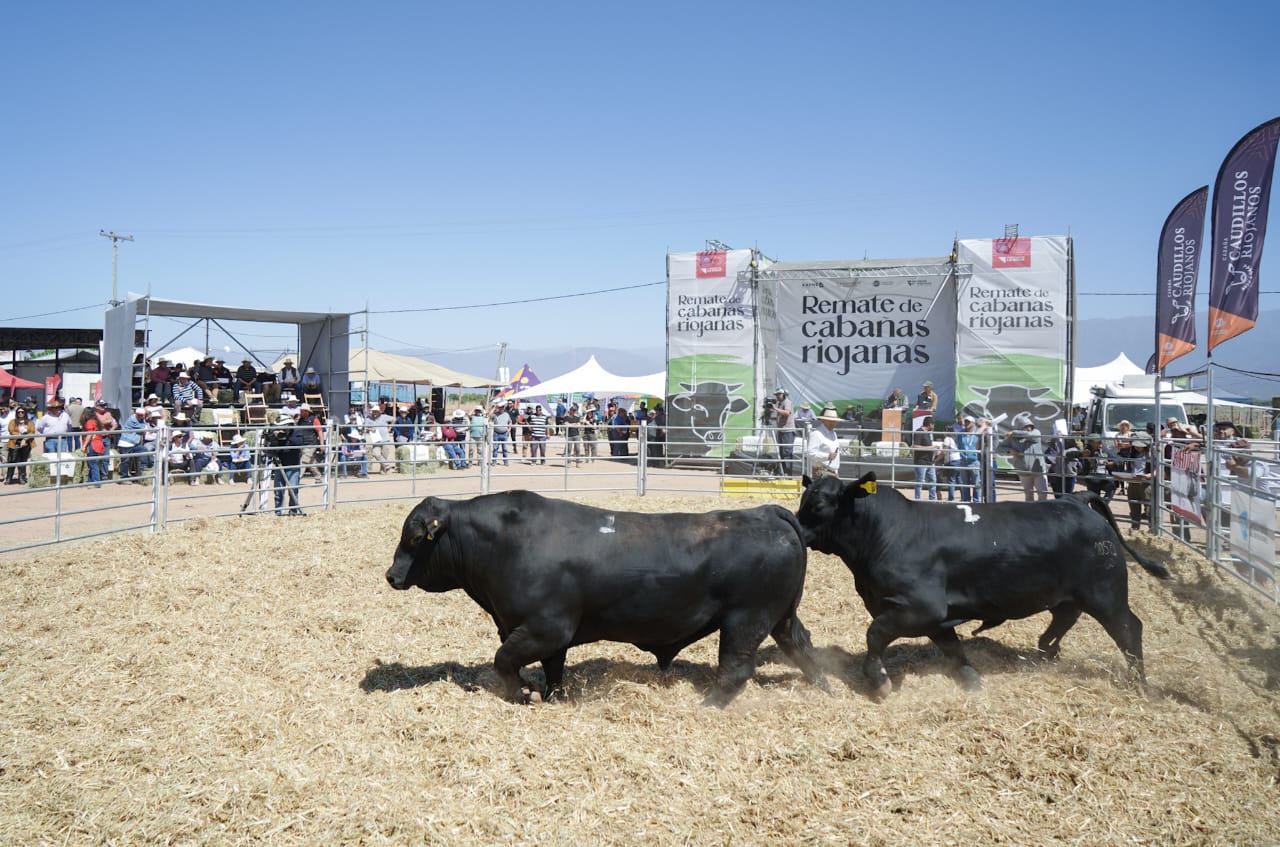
(759,486)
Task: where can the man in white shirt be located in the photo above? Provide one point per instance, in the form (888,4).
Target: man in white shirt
(822,450)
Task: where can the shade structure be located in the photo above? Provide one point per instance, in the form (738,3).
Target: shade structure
(592,378)
(11,382)
(372,365)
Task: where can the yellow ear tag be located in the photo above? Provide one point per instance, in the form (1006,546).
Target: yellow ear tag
(869,486)
(431,531)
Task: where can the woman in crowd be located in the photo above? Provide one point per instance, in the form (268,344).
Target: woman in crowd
(93,445)
(19,447)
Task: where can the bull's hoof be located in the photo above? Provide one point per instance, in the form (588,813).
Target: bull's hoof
(881,692)
(969,678)
(529,696)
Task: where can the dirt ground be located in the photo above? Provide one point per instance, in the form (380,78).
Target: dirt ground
(237,681)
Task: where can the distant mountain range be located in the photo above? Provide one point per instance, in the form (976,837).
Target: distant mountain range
(1098,341)
(1252,354)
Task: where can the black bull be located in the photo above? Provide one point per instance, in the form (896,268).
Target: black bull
(922,569)
(554,574)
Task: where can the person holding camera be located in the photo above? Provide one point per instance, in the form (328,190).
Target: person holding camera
(286,458)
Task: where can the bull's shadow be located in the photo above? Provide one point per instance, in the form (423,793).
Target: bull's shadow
(394,676)
(919,658)
(584,681)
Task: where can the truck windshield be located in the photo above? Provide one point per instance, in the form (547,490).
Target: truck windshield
(1140,414)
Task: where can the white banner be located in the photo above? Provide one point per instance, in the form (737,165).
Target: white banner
(1013,317)
(1253,528)
(854,339)
(711,328)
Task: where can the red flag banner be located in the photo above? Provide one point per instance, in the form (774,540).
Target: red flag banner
(1177,267)
(1241,198)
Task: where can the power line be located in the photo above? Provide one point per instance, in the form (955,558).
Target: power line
(59,312)
(517,302)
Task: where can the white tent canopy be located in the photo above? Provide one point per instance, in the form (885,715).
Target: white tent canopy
(594,379)
(1114,371)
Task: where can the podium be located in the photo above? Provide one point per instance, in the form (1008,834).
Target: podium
(891,425)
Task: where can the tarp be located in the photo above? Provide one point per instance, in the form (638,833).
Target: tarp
(592,378)
(11,382)
(377,366)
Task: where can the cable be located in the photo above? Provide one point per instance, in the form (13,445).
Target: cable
(59,312)
(517,302)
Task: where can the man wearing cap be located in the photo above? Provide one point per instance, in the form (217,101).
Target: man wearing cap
(970,460)
(927,400)
(1136,461)
(822,450)
(475,436)
(288,377)
(160,379)
(1026,456)
(132,433)
(205,375)
(382,449)
(246,379)
(784,428)
(572,422)
(310,437)
(310,383)
(55,426)
(922,457)
(187,395)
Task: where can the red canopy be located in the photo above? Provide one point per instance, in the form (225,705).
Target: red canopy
(9,381)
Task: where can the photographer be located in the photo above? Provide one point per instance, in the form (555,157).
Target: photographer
(285,456)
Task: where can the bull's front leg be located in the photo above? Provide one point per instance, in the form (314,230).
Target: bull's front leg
(522,646)
(914,619)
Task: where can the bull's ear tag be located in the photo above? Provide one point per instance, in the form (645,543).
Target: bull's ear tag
(869,486)
(432,529)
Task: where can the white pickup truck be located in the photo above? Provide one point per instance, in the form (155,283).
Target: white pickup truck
(1133,400)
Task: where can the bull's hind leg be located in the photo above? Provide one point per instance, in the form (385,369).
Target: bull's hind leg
(553,668)
(793,639)
(949,643)
(1064,617)
(739,641)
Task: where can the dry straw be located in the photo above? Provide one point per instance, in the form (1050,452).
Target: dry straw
(250,681)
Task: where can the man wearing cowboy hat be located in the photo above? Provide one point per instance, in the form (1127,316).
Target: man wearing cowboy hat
(288,377)
(187,393)
(246,379)
(822,450)
(785,427)
(55,426)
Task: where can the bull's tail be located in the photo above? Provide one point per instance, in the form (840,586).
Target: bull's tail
(1097,504)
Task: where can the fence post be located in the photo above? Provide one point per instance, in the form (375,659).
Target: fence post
(642,456)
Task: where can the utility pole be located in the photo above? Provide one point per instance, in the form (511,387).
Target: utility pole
(115,240)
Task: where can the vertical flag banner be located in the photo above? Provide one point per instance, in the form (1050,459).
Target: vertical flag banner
(1177,268)
(1241,197)
(711,329)
(1013,325)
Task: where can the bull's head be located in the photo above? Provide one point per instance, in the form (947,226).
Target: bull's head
(418,560)
(821,505)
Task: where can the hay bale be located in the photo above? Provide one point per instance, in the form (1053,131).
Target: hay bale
(419,459)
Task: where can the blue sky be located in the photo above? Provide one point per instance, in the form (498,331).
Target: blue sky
(404,157)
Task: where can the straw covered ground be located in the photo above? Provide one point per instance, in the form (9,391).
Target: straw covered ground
(255,680)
